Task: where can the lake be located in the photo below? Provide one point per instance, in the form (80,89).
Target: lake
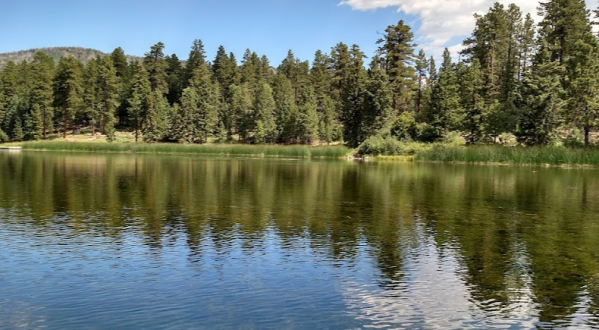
(117,241)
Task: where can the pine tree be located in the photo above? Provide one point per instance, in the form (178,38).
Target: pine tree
(526,42)
(174,79)
(68,90)
(184,129)
(155,122)
(353,98)
(542,102)
(422,67)
(241,110)
(564,22)
(124,72)
(156,66)
(265,70)
(340,59)
(308,117)
(34,123)
(41,91)
(472,101)
(17,133)
(119,60)
(225,71)
(206,118)
(583,86)
(264,115)
(91,95)
(397,52)
(140,100)
(197,58)
(8,85)
(445,110)
(250,70)
(289,68)
(108,95)
(377,111)
(328,124)
(286,113)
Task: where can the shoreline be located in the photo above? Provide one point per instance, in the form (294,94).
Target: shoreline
(558,157)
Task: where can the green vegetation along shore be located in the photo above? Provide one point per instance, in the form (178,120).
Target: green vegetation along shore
(417,152)
(296,151)
(492,154)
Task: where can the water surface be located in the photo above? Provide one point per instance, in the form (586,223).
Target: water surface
(169,242)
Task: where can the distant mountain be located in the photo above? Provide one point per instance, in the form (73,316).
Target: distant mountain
(82,54)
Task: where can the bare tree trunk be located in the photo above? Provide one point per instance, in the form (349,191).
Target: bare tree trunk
(587,131)
(66,122)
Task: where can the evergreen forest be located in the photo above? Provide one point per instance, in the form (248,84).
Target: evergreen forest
(534,82)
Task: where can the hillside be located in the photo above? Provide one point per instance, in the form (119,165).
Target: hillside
(80,53)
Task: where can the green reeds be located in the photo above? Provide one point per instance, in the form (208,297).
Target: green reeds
(546,155)
(209,149)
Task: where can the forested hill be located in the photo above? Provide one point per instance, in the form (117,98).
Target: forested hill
(84,55)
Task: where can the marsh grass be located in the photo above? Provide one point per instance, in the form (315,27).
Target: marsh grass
(546,155)
(209,149)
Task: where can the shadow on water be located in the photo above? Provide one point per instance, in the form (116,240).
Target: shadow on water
(409,245)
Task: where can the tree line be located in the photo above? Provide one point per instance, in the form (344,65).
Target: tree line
(514,77)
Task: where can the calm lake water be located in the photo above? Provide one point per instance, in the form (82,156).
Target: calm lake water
(169,242)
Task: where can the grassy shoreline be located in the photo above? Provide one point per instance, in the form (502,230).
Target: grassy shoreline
(188,149)
(501,155)
(440,153)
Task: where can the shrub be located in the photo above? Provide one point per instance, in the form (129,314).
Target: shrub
(379,145)
(453,138)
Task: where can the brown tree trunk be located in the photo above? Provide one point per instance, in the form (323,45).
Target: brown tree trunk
(66,122)
(587,130)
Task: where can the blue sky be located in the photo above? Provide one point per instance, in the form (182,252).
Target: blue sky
(269,27)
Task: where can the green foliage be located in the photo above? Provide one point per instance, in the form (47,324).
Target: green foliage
(17,132)
(68,90)
(155,123)
(446,113)
(405,127)
(205,117)
(379,145)
(583,87)
(42,92)
(308,117)
(156,66)
(353,98)
(512,155)
(287,113)
(140,100)
(386,145)
(240,111)
(190,149)
(543,101)
(264,115)
(328,125)
(34,124)
(3,136)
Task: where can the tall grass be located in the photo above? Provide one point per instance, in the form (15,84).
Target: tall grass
(545,155)
(210,149)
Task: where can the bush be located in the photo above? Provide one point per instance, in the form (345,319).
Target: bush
(3,136)
(427,133)
(379,145)
(405,127)
(453,138)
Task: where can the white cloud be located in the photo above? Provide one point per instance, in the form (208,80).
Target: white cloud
(442,20)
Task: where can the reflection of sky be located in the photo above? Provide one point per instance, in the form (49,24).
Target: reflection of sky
(432,294)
